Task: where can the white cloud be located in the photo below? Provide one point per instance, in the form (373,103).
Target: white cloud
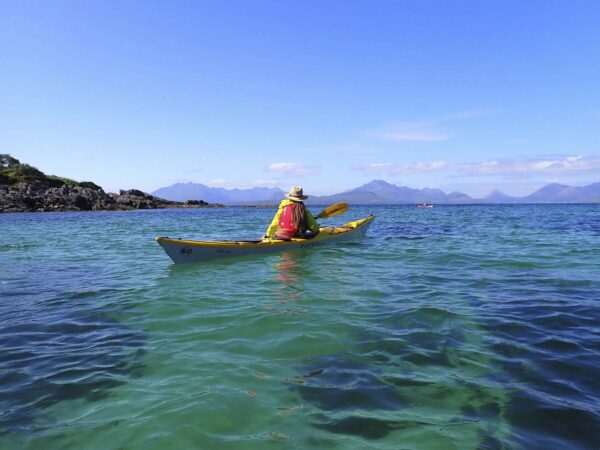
(403,169)
(546,165)
(243,184)
(425,131)
(266,183)
(556,165)
(290,169)
(470,114)
(409,131)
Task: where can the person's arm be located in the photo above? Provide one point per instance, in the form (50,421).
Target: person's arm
(274,224)
(312,223)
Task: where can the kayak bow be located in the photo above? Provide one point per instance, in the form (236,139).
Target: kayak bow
(186,251)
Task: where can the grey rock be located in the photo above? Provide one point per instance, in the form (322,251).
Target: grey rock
(38,196)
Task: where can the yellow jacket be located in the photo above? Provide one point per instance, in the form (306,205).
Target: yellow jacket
(312,223)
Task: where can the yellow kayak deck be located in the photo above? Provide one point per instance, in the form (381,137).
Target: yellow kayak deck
(185,250)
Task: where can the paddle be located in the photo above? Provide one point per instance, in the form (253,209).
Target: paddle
(333,210)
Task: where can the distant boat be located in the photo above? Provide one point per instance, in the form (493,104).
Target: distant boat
(425,205)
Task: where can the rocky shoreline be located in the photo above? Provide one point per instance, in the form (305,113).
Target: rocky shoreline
(42,197)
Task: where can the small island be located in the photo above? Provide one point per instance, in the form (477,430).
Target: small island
(24,188)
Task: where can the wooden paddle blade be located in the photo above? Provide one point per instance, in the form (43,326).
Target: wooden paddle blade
(333,210)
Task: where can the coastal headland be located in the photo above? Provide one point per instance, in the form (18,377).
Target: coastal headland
(24,188)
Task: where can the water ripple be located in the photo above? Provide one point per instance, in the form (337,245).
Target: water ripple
(466,327)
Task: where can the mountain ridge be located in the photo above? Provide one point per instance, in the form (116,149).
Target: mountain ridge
(380,191)
(198,191)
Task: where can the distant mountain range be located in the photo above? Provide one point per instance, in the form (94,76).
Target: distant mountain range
(198,191)
(379,191)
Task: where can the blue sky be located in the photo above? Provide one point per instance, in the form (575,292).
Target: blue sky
(459,95)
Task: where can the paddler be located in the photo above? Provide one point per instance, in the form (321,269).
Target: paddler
(293,219)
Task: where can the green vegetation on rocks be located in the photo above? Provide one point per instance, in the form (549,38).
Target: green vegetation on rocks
(12,171)
(26,188)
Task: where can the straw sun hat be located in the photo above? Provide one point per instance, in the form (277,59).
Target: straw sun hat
(296,194)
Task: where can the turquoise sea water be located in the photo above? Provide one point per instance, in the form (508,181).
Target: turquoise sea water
(457,327)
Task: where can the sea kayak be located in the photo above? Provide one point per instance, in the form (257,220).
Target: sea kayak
(186,251)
